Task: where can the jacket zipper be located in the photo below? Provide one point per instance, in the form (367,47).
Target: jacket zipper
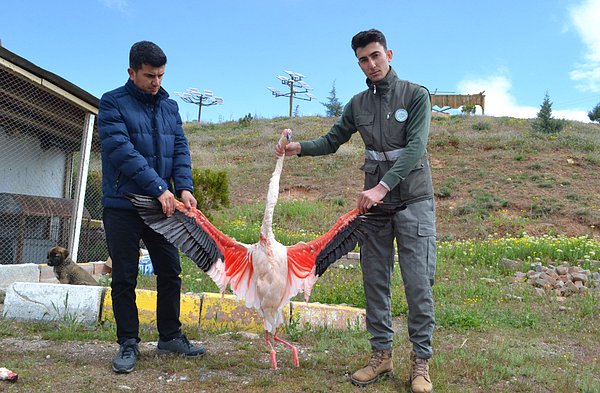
(155,135)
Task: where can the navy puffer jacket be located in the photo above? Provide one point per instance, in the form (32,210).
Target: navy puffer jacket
(144,149)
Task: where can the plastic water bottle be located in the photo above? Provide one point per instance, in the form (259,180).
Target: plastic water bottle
(145,266)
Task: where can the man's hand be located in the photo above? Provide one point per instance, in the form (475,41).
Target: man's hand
(188,199)
(370,198)
(167,200)
(291,149)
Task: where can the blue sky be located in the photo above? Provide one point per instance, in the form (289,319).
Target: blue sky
(514,50)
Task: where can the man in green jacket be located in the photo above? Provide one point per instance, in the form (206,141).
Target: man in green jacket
(393,118)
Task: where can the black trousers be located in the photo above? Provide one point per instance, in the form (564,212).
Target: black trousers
(124,229)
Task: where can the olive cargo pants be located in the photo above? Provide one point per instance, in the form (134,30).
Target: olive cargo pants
(414,231)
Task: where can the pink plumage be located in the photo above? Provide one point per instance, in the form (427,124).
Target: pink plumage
(266,274)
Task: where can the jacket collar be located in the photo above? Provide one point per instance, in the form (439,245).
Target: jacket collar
(145,97)
(383,85)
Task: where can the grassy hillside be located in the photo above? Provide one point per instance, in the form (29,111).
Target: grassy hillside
(491,175)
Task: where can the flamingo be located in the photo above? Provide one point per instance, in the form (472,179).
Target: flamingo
(266,274)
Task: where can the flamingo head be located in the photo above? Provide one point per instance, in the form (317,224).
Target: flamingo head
(286,137)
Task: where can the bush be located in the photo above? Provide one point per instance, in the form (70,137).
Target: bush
(246,120)
(594,114)
(481,126)
(93,193)
(211,189)
(468,109)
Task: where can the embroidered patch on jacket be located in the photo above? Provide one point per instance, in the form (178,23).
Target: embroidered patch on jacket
(401,115)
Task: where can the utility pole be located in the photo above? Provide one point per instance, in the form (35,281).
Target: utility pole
(296,85)
(194,96)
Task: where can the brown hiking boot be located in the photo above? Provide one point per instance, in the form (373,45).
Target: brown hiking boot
(420,381)
(379,365)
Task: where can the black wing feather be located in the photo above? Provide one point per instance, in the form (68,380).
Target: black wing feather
(181,230)
(354,233)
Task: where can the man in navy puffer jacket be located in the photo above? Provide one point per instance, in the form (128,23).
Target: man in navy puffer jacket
(144,151)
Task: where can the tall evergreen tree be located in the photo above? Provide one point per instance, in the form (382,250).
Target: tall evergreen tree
(333,106)
(594,114)
(545,122)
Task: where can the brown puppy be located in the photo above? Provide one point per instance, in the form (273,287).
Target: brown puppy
(67,271)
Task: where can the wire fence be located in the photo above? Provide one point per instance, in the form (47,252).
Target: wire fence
(40,149)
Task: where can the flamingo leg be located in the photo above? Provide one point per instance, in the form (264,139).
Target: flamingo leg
(273,353)
(290,346)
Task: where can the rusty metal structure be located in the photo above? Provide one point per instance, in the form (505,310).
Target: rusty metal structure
(454,101)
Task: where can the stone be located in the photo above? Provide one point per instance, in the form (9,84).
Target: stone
(570,287)
(579,277)
(574,269)
(509,264)
(540,291)
(26,272)
(324,315)
(53,302)
(536,267)
(562,270)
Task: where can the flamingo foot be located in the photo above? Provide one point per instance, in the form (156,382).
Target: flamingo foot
(295,356)
(272,352)
(274,359)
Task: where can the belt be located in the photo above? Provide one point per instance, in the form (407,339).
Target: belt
(390,155)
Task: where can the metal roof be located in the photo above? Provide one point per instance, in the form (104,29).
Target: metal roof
(35,205)
(49,76)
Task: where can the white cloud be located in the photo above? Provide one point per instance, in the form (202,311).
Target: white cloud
(119,5)
(571,115)
(500,102)
(585,19)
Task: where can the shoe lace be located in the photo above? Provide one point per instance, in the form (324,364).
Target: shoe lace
(376,359)
(185,341)
(127,351)
(420,368)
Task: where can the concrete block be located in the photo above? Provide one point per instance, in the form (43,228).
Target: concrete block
(146,302)
(324,315)
(100,268)
(47,274)
(53,302)
(26,272)
(224,311)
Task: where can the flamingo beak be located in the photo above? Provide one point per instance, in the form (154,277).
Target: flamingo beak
(286,135)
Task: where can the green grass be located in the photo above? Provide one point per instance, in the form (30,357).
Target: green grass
(463,299)
(492,334)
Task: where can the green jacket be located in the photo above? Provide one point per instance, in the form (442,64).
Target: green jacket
(392,116)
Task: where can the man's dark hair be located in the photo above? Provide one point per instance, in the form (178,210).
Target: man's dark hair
(364,38)
(146,52)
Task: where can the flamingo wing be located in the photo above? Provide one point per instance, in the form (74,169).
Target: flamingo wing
(226,260)
(308,261)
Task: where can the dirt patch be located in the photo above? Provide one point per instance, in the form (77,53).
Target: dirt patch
(298,192)
(86,366)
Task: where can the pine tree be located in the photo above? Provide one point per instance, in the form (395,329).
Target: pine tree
(334,106)
(545,122)
(594,114)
